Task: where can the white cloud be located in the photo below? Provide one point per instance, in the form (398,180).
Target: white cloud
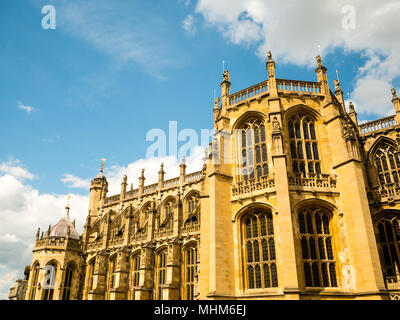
(28,109)
(293,30)
(22,210)
(76,182)
(6,282)
(14,168)
(188,25)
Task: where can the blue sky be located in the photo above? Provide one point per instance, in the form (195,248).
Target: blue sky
(89,103)
(113,70)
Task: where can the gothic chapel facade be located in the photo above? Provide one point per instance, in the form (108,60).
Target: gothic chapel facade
(295,200)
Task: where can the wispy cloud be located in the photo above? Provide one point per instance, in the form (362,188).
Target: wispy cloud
(123,31)
(76,182)
(14,168)
(188,25)
(26,108)
(283,25)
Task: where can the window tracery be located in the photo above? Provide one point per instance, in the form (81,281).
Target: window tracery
(317,248)
(387,161)
(304,145)
(259,251)
(253,157)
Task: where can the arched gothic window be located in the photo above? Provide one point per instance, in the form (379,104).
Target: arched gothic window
(135,274)
(167,215)
(35,281)
(387,161)
(90,276)
(190,272)
(192,208)
(253,150)
(142,220)
(317,248)
(160,274)
(49,281)
(389,243)
(259,251)
(111,276)
(304,145)
(69,272)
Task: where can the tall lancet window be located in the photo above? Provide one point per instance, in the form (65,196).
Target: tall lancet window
(387,160)
(160,274)
(317,248)
(69,272)
(111,276)
(49,283)
(389,243)
(253,147)
(35,277)
(135,274)
(259,251)
(189,273)
(304,145)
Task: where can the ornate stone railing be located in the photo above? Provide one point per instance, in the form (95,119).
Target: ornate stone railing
(163,232)
(116,241)
(58,243)
(377,125)
(393,285)
(252,185)
(312,180)
(248,93)
(194,176)
(132,193)
(112,199)
(150,188)
(171,183)
(139,236)
(386,193)
(94,244)
(298,86)
(192,227)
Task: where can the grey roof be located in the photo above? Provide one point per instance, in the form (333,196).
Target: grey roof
(100,175)
(60,229)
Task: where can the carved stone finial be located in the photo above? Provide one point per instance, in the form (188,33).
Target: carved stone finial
(319,61)
(351,107)
(103,160)
(216,103)
(125,178)
(226,76)
(337,85)
(269,55)
(394,93)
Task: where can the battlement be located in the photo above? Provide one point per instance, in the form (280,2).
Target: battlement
(166,185)
(58,243)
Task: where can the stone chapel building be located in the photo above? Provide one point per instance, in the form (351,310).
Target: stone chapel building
(295,200)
